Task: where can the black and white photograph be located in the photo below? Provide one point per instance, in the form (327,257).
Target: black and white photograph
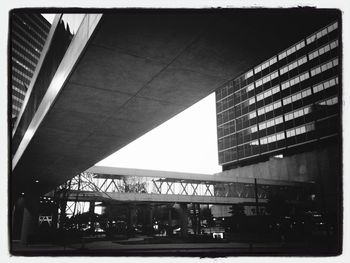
(199,132)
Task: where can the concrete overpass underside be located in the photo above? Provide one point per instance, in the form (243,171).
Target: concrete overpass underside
(139,69)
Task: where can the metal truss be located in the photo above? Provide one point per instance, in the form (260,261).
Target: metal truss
(102,186)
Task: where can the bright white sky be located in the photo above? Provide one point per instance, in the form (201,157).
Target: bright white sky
(185,143)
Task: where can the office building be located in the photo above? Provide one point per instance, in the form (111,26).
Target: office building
(28,35)
(287,104)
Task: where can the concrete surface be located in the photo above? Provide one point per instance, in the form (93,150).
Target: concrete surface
(138,70)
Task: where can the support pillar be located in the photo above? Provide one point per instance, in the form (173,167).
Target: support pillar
(92,214)
(30,218)
(149,223)
(17,218)
(169,229)
(132,216)
(183,219)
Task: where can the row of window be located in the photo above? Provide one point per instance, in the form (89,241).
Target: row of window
(292,98)
(288,116)
(270,107)
(17,99)
(22,81)
(295,80)
(36,21)
(272,138)
(35,45)
(268,93)
(322,50)
(21,73)
(22,56)
(287,84)
(29,31)
(325,85)
(291,50)
(19,90)
(297,96)
(266,64)
(26,43)
(293,65)
(297,113)
(14,107)
(27,51)
(329,102)
(300,130)
(266,79)
(270,123)
(325,66)
(22,65)
(324,31)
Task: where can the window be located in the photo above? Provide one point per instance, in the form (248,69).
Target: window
(321,33)
(251,101)
(265,64)
(293,65)
(249,74)
(287,100)
(295,80)
(325,85)
(297,113)
(300,130)
(324,67)
(270,123)
(267,93)
(329,102)
(250,87)
(256,142)
(254,129)
(291,50)
(266,79)
(262,126)
(252,115)
(272,138)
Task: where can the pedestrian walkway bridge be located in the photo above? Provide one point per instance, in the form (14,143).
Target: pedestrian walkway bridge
(110,184)
(103,80)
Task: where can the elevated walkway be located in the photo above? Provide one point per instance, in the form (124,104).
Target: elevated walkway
(123,74)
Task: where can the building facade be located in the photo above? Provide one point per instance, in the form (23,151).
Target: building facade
(28,35)
(286,104)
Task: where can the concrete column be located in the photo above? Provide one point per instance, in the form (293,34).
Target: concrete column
(132,215)
(149,223)
(17,218)
(92,207)
(169,230)
(92,214)
(30,218)
(183,219)
(196,215)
